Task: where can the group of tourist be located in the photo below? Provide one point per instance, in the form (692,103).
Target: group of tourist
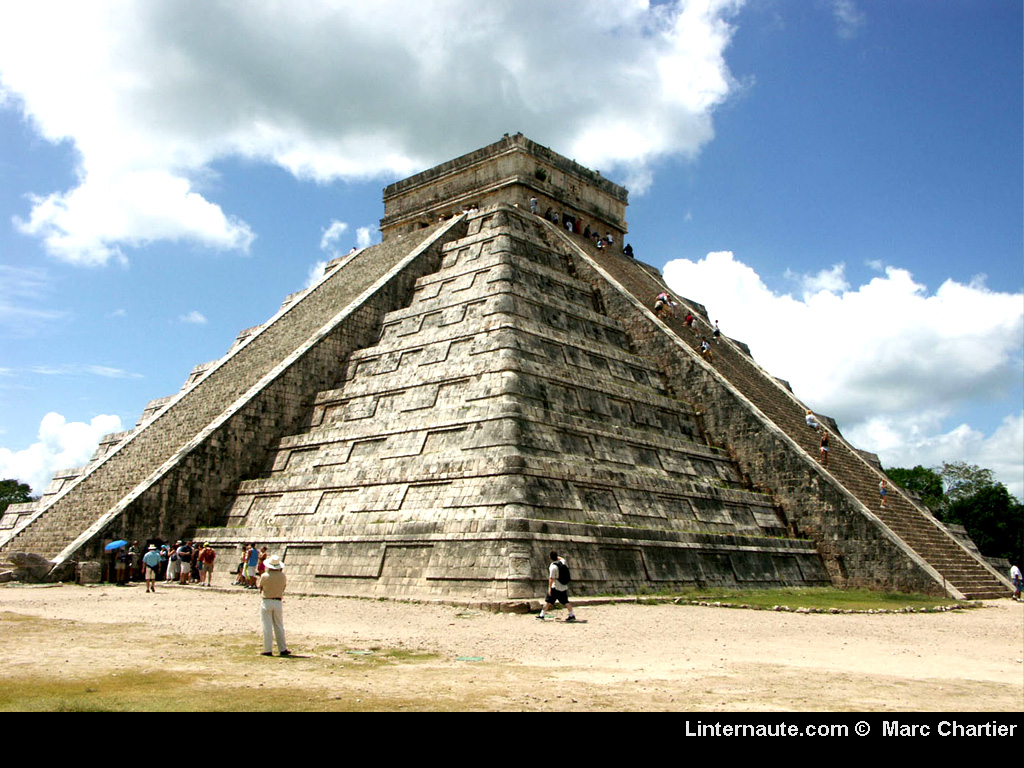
(252,563)
(185,562)
(665,306)
(575,225)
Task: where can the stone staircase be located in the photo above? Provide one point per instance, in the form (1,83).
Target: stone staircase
(958,568)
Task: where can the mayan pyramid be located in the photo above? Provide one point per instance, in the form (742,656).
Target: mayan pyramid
(439,411)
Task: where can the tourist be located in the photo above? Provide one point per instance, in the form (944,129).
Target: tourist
(558,586)
(664,302)
(184,562)
(120,564)
(883,489)
(688,322)
(705,349)
(250,566)
(271,586)
(1018,581)
(134,561)
(174,567)
(716,333)
(533,205)
(628,250)
(811,421)
(243,558)
(261,565)
(207,555)
(151,564)
(824,448)
(659,303)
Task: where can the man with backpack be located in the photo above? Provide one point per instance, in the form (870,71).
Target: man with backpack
(558,587)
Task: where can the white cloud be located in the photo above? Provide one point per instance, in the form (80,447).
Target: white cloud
(61,445)
(832,280)
(331,236)
(20,289)
(76,369)
(917,439)
(849,18)
(151,95)
(364,236)
(315,273)
(116,205)
(889,360)
(195,317)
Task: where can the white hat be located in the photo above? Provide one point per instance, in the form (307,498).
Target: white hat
(274,563)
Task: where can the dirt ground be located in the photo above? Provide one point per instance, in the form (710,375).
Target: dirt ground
(382,655)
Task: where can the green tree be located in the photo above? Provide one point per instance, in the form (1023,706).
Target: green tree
(926,483)
(13,492)
(994,519)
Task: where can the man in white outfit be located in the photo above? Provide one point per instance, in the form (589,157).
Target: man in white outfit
(271,585)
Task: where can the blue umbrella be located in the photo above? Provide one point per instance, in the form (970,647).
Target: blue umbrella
(115,545)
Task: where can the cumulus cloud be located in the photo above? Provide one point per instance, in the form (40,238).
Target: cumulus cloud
(151,95)
(331,236)
(364,236)
(61,445)
(891,361)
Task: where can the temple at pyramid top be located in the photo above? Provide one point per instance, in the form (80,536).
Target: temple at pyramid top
(512,170)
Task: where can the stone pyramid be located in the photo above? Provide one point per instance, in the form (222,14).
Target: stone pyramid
(440,411)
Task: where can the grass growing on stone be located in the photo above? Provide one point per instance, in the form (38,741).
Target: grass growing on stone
(809,598)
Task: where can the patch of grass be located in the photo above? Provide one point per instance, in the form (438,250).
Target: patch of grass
(209,673)
(168,692)
(811,598)
(115,692)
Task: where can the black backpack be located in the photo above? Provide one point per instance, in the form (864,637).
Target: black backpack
(563,572)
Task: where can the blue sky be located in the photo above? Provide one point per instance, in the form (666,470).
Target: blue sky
(839,181)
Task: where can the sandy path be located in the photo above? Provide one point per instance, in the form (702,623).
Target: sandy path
(624,656)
